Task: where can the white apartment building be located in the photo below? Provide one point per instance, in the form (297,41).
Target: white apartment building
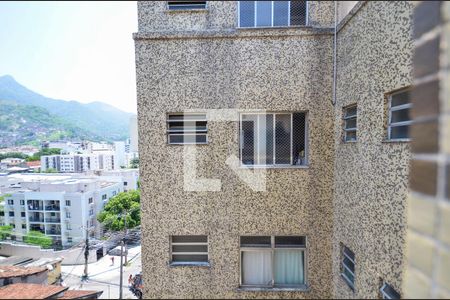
(61,206)
(77,163)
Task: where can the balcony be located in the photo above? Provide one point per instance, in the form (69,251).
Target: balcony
(36,219)
(53,232)
(52,208)
(35,207)
(53,220)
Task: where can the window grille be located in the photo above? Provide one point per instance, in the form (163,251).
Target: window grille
(273,261)
(388,292)
(348,267)
(186,5)
(350,123)
(399,115)
(187,129)
(189,249)
(272,13)
(271,139)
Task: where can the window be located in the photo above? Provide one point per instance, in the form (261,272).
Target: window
(91,200)
(68,215)
(92,222)
(350,123)
(10,202)
(22,202)
(189,249)
(68,203)
(273,13)
(348,267)
(91,211)
(11,214)
(187,129)
(399,115)
(69,240)
(125,183)
(185,5)
(270,139)
(24,226)
(68,226)
(22,214)
(12,225)
(273,261)
(388,292)
(104,197)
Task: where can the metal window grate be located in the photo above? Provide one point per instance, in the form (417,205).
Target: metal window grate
(388,292)
(187,129)
(268,139)
(189,248)
(348,267)
(186,5)
(350,123)
(399,115)
(272,13)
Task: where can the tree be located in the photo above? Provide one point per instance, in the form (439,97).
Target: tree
(38,238)
(126,203)
(13,155)
(134,163)
(50,170)
(5,232)
(45,151)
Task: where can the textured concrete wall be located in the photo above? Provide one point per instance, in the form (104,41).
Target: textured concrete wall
(276,69)
(371,175)
(428,242)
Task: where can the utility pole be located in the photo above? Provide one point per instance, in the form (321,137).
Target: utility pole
(125,236)
(121,270)
(86,257)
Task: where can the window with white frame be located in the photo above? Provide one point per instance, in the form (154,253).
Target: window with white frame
(187,128)
(273,139)
(68,203)
(272,13)
(22,202)
(186,5)
(348,266)
(388,292)
(90,200)
(68,226)
(273,261)
(399,115)
(68,216)
(189,249)
(10,202)
(69,240)
(350,123)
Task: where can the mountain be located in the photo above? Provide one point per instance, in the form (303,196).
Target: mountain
(94,119)
(28,124)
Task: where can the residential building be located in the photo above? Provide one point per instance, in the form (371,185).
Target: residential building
(16,274)
(40,291)
(78,163)
(53,265)
(133,134)
(63,207)
(313,97)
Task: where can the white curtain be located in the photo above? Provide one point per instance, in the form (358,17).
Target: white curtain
(289,267)
(256,268)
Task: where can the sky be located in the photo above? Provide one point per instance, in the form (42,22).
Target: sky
(81,51)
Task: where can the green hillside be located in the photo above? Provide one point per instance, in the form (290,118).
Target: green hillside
(28,124)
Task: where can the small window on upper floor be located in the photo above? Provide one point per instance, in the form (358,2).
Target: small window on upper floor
(348,266)
(350,123)
(399,119)
(186,5)
(272,13)
(187,129)
(388,292)
(189,249)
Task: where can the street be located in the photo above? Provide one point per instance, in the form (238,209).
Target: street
(104,276)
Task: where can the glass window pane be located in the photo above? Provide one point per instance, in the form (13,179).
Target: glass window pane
(349,253)
(289,267)
(265,139)
(189,239)
(190,258)
(248,143)
(298,13)
(349,264)
(400,98)
(263,13)
(400,115)
(350,123)
(190,248)
(290,241)
(282,139)
(350,111)
(246,13)
(255,241)
(257,267)
(298,138)
(400,132)
(350,136)
(280,13)
(349,275)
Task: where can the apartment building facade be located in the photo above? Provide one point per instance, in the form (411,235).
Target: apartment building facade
(62,207)
(320,111)
(78,163)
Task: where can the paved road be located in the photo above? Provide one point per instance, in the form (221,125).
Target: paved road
(104,276)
